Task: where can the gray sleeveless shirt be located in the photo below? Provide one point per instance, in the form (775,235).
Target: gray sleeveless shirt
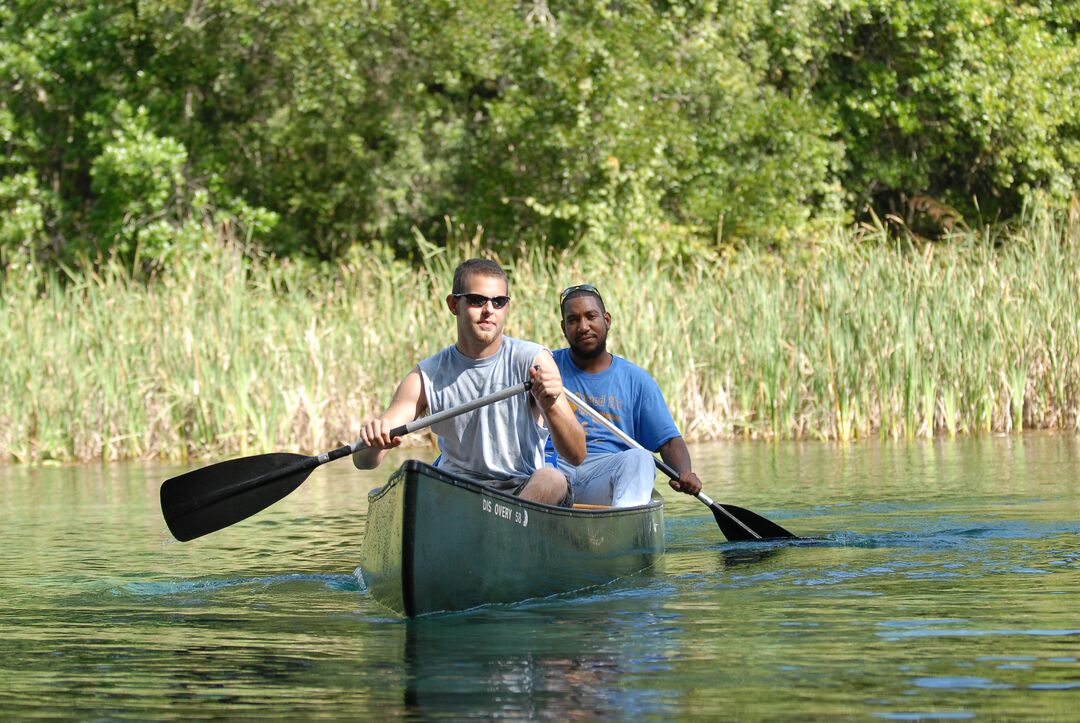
(501,441)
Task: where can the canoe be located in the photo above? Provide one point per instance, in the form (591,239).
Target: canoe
(436,542)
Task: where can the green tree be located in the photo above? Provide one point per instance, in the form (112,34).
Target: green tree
(126,127)
(970,101)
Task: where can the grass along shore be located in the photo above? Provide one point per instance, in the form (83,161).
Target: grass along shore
(223,355)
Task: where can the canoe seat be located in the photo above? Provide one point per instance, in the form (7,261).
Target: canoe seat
(591,507)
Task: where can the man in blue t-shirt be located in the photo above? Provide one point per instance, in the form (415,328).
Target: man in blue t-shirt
(624,393)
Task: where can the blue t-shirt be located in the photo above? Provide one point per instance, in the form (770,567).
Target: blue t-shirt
(626,395)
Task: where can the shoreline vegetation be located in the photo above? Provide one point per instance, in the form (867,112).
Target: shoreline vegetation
(853,336)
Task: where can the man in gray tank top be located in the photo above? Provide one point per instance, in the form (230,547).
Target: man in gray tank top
(501,444)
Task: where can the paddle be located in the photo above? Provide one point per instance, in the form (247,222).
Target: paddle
(206,500)
(736,523)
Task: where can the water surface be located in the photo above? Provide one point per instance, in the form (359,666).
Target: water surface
(941,583)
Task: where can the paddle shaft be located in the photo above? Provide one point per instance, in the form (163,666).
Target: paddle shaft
(661,465)
(307,464)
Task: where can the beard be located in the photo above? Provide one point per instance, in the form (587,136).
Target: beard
(486,336)
(590,354)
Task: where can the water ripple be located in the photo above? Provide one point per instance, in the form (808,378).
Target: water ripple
(960,682)
(971,632)
(342,583)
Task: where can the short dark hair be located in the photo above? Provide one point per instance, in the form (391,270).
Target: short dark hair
(572,292)
(482,267)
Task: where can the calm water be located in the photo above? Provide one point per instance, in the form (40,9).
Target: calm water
(944,585)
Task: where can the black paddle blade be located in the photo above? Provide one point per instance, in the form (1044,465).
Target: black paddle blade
(206,500)
(736,532)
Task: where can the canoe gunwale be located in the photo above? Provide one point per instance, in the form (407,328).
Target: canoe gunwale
(414,465)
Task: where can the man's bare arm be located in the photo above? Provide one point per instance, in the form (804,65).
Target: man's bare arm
(566,432)
(409,403)
(675,453)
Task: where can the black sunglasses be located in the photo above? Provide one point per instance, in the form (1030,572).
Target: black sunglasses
(479,300)
(587,288)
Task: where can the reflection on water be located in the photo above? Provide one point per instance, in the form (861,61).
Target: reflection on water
(538,660)
(936,580)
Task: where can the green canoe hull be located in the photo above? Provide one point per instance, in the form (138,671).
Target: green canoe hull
(435,542)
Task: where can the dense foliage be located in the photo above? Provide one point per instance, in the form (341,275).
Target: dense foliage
(130,128)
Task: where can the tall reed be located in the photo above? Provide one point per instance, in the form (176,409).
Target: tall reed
(848,338)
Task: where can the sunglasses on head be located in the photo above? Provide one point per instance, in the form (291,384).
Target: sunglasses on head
(588,288)
(479,300)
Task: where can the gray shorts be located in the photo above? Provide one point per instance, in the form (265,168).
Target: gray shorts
(515,485)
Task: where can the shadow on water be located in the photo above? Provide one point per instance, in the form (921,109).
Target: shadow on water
(743,555)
